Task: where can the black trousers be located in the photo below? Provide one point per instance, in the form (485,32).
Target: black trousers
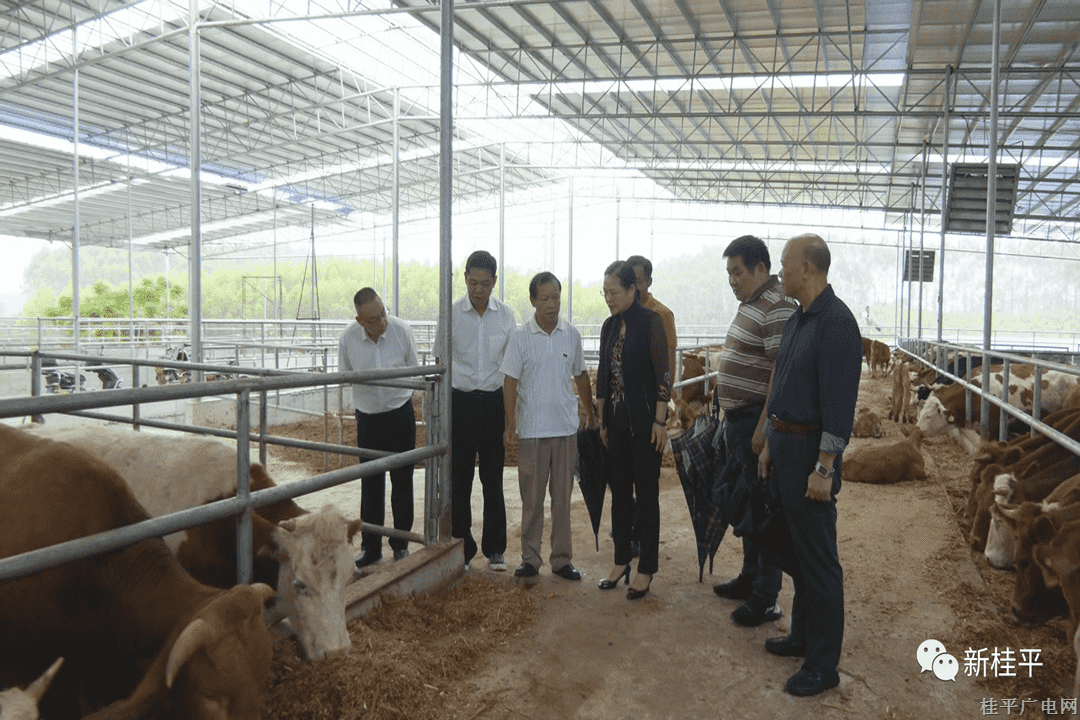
(817,611)
(394,431)
(635,474)
(478,421)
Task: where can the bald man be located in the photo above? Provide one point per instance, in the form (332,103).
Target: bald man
(811,412)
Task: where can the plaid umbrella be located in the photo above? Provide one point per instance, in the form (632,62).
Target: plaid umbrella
(592,476)
(701,462)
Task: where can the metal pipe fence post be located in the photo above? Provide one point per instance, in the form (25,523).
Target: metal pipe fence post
(1036,402)
(35,381)
(136,412)
(262,426)
(326,408)
(1002,422)
(243,486)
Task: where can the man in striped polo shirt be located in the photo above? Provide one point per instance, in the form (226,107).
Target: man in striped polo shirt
(743,386)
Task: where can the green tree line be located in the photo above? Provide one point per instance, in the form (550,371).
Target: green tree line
(235,293)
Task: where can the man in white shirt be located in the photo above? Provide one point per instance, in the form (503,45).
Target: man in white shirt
(482,326)
(543,359)
(384,416)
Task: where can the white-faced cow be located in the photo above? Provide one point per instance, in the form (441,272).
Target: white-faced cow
(139,636)
(309,561)
(19,704)
(945,405)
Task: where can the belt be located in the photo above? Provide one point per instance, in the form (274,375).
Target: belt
(744,412)
(786,427)
(478,392)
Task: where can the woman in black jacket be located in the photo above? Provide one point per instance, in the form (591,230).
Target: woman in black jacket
(633,385)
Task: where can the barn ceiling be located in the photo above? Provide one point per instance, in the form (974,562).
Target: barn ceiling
(814,103)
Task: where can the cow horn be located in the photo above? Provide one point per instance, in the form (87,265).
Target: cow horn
(38,687)
(289,525)
(197,634)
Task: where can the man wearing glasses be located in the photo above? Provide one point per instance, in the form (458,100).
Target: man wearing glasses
(384,416)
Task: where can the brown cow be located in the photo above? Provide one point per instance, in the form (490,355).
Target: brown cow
(138,633)
(879,357)
(1007,517)
(1072,399)
(168,473)
(901,393)
(1036,463)
(868,353)
(867,424)
(880,464)
(1059,560)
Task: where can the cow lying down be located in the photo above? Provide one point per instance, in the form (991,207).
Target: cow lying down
(307,557)
(880,463)
(19,704)
(139,636)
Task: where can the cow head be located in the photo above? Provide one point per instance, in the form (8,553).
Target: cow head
(1001,538)
(316,563)
(933,417)
(1033,600)
(217,667)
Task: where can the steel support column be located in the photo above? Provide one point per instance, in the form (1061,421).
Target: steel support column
(570,258)
(991,213)
(437,524)
(395,199)
(502,218)
(944,200)
(195,245)
(922,229)
(75,301)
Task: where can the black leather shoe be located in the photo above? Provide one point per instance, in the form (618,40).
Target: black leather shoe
(568,572)
(606,584)
(810,681)
(526,570)
(741,588)
(754,612)
(401,553)
(785,646)
(367,558)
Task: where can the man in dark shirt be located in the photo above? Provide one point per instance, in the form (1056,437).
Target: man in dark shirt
(811,412)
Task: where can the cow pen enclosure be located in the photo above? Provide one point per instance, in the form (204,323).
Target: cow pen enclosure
(242,505)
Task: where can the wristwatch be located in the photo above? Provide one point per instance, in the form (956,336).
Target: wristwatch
(822,470)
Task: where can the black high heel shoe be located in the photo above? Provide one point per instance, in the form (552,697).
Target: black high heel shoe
(633,594)
(606,584)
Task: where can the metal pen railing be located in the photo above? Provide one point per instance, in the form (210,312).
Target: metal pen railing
(244,503)
(918,350)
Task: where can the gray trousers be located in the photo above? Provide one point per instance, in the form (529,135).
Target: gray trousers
(543,464)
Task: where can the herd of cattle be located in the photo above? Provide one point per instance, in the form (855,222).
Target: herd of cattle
(160,628)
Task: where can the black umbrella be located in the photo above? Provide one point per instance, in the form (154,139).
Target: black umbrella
(701,462)
(592,476)
(763,521)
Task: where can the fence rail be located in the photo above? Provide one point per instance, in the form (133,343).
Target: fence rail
(243,504)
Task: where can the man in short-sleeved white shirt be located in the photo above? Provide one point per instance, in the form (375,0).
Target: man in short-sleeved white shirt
(384,416)
(544,358)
